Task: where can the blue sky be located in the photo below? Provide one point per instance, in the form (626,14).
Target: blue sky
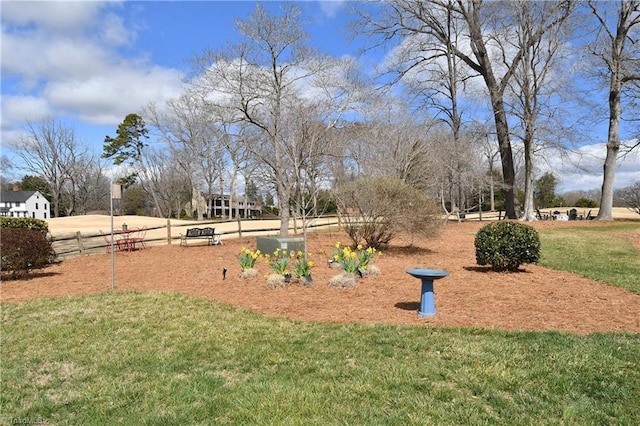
(90,63)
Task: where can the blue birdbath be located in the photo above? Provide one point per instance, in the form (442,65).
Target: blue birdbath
(427,300)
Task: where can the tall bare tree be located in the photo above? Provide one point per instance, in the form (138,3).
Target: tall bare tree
(617,47)
(485,24)
(88,186)
(185,125)
(265,77)
(172,185)
(536,81)
(50,149)
(391,141)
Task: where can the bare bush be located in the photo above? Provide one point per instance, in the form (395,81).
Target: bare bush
(375,210)
(631,197)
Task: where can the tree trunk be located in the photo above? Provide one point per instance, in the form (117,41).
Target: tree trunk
(613,142)
(506,156)
(529,208)
(221,197)
(283,209)
(606,199)
(197,193)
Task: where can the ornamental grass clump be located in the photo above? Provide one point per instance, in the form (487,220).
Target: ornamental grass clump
(505,245)
(343,280)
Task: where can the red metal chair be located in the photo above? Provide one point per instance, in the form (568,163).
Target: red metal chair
(107,239)
(138,237)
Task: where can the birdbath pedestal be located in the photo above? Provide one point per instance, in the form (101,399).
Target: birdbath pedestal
(427,299)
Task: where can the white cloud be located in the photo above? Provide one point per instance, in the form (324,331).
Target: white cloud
(114,32)
(330,8)
(61,59)
(57,16)
(106,99)
(38,57)
(583,169)
(16,108)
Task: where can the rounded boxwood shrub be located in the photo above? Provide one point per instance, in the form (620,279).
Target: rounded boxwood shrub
(505,245)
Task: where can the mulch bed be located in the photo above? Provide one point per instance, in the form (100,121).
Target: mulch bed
(534,298)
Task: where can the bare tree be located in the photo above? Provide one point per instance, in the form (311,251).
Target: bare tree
(391,141)
(185,125)
(457,170)
(265,77)
(486,25)
(617,47)
(6,172)
(50,149)
(536,80)
(435,80)
(253,78)
(631,197)
(88,186)
(173,186)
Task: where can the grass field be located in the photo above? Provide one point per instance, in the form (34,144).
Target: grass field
(595,252)
(165,358)
(156,358)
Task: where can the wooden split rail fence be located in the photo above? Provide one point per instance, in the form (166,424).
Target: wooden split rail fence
(81,243)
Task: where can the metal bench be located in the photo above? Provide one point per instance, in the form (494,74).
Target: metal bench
(201,233)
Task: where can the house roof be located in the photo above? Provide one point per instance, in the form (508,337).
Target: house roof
(16,196)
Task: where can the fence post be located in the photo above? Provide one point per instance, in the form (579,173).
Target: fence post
(80,244)
(169,231)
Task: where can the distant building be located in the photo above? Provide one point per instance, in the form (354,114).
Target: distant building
(24,204)
(221,206)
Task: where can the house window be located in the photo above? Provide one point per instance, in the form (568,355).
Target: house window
(33,214)
(45,215)
(36,206)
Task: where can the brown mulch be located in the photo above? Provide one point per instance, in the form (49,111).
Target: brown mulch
(535,298)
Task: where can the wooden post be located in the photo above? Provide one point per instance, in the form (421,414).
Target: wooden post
(169,231)
(80,243)
(239,227)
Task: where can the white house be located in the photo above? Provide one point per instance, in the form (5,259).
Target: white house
(24,204)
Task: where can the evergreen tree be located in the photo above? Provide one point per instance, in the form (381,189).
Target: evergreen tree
(544,193)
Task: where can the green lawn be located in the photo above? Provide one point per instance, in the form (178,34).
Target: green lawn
(594,253)
(156,358)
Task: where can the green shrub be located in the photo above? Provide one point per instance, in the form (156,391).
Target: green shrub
(24,223)
(24,249)
(505,245)
(586,203)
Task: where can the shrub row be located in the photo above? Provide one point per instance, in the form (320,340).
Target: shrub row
(24,223)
